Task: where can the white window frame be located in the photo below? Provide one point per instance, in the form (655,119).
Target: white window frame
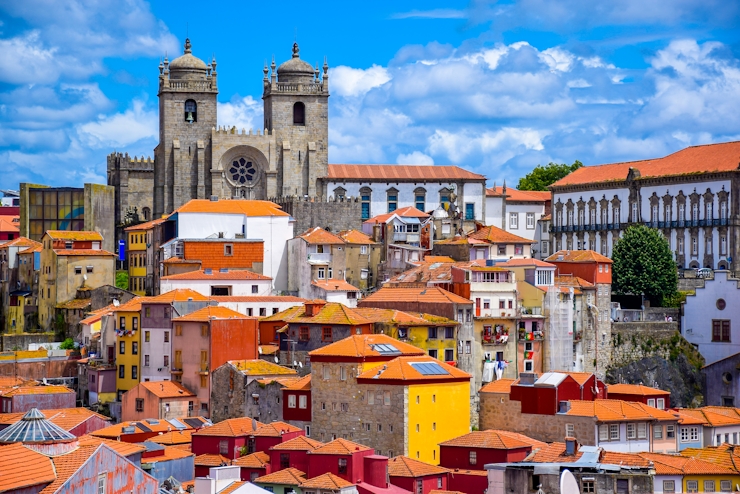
(513,221)
(530,221)
(694,434)
(302,401)
(614,432)
(660,403)
(669,486)
(102,483)
(342,373)
(631,431)
(291,401)
(570,430)
(692,486)
(642,430)
(603,432)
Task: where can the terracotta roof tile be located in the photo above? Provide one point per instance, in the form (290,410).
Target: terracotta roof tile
(275,429)
(707,158)
(80,236)
(500,386)
(578,256)
(334,285)
(421,173)
(495,235)
(329,313)
(177,295)
(84,252)
(22,467)
(494,439)
(230,428)
(116,431)
(682,465)
(403,369)
(231,488)
(232,274)
(327,481)
(260,459)
(714,416)
(258,298)
(173,437)
(525,262)
(9,224)
(211,460)
(302,384)
(36,390)
(75,304)
(339,446)
(282,381)
(724,456)
(286,476)
(20,242)
(423,294)
(167,454)
(318,235)
(121,447)
(635,389)
(435,259)
(259,367)
(515,195)
(180,260)
(355,237)
(393,316)
(407,212)
(146,226)
(363,346)
(211,312)
(133,305)
(403,466)
(232,206)
(166,389)
(617,410)
(300,443)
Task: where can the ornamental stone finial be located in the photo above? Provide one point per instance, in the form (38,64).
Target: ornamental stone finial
(296,50)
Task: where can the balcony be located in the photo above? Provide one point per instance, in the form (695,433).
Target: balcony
(531,335)
(496,340)
(406,237)
(319,258)
(530,311)
(495,313)
(177,369)
(577,336)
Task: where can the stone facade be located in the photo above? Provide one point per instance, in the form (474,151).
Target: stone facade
(497,411)
(335,214)
(525,481)
(133,180)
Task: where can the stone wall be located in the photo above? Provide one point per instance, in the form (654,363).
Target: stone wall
(22,340)
(38,370)
(100,213)
(334,215)
(659,314)
(497,411)
(633,341)
(227,394)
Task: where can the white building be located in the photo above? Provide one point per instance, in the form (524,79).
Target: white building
(222,282)
(240,218)
(686,195)
(385,188)
(516,211)
(708,318)
(334,290)
(258,306)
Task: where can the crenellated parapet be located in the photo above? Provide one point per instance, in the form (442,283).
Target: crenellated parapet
(122,161)
(223,130)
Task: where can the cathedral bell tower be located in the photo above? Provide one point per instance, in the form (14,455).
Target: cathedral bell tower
(296,113)
(187,113)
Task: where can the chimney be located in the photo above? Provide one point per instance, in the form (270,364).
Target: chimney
(571,446)
(376,233)
(376,470)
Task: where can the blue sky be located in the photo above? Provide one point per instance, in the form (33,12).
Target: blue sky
(496,87)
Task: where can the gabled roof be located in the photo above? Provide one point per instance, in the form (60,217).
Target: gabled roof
(318,235)
(397,317)
(232,206)
(146,225)
(20,242)
(494,439)
(133,305)
(578,256)
(495,235)
(414,294)
(166,389)
(403,466)
(420,173)
(68,464)
(723,455)
(515,195)
(407,212)
(430,272)
(329,313)
(299,443)
(260,367)
(121,447)
(22,467)
(80,236)
(365,345)
(177,295)
(708,158)
(257,299)
(66,418)
(237,427)
(635,389)
(339,446)
(84,252)
(275,429)
(168,453)
(260,459)
(286,476)
(682,465)
(555,453)
(511,263)
(355,237)
(172,438)
(211,460)
(211,312)
(713,416)
(217,275)
(302,384)
(36,390)
(409,369)
(327,481)
(334,285)
(617,411)
(500,386)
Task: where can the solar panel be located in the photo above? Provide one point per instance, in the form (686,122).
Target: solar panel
(429,369)
(386,349)
(177,424)
(129,430)
(143,427)
(194,423)
(152,421)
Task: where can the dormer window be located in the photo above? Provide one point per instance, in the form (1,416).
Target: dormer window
(299,114)
(191,111)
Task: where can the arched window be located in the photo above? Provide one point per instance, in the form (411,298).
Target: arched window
(191,111)
(365,196)
(299,114)
(392,198)
(420,198)
(147,213)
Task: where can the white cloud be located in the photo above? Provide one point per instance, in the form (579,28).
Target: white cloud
(121,129)
(414,158)
(243,113)
(430,14)
(346,81)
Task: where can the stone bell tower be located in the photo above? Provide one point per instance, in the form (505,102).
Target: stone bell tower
(296,111)
(187,113)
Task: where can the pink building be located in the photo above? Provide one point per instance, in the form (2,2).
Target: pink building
(157,399)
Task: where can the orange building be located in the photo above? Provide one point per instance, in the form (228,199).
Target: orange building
(216,253)
(586,264)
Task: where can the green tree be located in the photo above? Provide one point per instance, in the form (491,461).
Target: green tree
(542,176)
(68,344)
(643,264)
(122,280)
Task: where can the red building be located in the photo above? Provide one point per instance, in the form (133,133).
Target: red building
(23,398)
(297,401)
(468,480)
(253,465)
(416,476)
(478,448)
(293,453)
(268,435)
(543,395)
(376,479)
(226,438)
(586,264)
(653,397)
(340,457)
(138,432)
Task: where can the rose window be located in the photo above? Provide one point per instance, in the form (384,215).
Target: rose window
(242,171)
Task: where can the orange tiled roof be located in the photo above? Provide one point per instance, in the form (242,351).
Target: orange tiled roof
(495,235)
(282,381)
(300,443)
(318,235)
(414,294)
(555,453)
(708,158)
(31,250)
(286,476)
(713,416)
(80,236)
(211,460)
(525,262)
(419,173)
(9,381)
(393,316)
(211,312)
(166,389)
(237,427)
(403,466)
(66,418)
(339,446)
(75,304)
(9,224)
(578,256)
(116,431)
(515,195)
(275,429)
(682,465)
(177,295)
(257,298)
(133,305)
(617,411)
(430,272)
(260,459)
(355,237)
(723,455)
(434,259)
(20,242)
(168,453)
(84,252)
(494,439)
(145,226)
(67,465)
(231,488)
(241,274)
(407,212)
(36,390)
(500,386)
(259,367)
(401,369)
(180,260)
(334,285)
(635,389)
(173,437)
(232,206)
(362,346)
(22,467)
(329,313)
(302,384)
(121,447)
(327,481)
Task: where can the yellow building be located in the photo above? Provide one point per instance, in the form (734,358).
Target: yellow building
(140,256)
(127,319)
(712,469)
(69,261)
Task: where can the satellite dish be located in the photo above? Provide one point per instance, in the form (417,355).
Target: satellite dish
(259,350)
(568,483)
(300,364)
(254,425)
(277,360)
